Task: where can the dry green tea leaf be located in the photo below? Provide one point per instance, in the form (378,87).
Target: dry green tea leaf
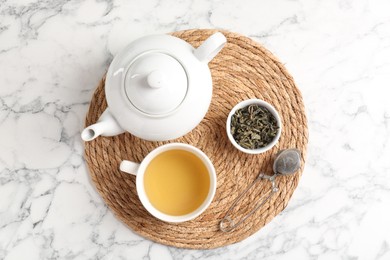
(253,127)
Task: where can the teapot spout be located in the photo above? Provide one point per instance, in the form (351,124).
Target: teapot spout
(210,47)
(105,126)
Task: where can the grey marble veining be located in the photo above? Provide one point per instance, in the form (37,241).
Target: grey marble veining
(53,54)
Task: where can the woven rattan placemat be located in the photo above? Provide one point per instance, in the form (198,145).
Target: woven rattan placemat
(242,70)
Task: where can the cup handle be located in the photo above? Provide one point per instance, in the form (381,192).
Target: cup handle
(129,167)
(210,47)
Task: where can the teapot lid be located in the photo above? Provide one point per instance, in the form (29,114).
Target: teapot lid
(155,83)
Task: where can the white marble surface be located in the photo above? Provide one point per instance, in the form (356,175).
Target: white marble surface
(53,53)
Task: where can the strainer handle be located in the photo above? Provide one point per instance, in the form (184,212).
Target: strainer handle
(228,224)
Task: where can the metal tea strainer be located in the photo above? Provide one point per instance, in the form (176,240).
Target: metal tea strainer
(286,162)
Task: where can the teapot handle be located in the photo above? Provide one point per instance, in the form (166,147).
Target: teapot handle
(210,47)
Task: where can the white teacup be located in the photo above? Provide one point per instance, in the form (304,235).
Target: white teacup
(170,178)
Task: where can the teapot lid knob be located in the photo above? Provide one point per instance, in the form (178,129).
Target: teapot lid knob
(156,79)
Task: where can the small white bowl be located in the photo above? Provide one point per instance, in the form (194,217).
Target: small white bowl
(270,109)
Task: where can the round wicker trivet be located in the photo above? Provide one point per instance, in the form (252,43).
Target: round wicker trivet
(243,70)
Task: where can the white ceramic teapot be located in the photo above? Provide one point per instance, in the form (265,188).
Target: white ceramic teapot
(158,88)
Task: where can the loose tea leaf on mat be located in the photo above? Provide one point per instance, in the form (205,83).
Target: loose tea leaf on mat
(253,127)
